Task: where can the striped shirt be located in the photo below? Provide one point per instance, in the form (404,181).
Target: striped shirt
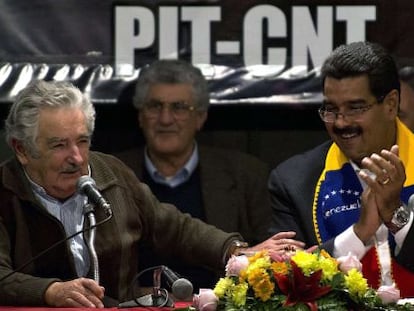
(70,214)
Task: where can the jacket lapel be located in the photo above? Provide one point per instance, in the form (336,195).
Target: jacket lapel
(217,187)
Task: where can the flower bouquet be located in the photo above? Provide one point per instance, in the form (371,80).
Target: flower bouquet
(301,281)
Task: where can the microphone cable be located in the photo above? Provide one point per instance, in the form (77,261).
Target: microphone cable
(18,269)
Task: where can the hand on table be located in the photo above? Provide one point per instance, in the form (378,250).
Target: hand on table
(80,292)
(280,243)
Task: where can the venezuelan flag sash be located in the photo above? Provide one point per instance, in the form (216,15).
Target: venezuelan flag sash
(337,206)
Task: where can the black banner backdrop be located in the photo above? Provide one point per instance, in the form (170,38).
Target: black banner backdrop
(251,51)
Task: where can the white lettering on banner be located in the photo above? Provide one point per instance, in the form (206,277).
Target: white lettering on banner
(355,20)
(342,208)
(168,33)
(253,34)
(201,18)
(265,37)
(135,29)
(319,42)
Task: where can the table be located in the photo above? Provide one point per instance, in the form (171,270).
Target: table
(177,305)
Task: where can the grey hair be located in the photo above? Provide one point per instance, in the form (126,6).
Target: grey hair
(172,72)
(23,118)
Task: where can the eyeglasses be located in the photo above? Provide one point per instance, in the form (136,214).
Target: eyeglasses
(180,109)
(352,114)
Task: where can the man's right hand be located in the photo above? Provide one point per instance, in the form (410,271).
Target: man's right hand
(80,292)
(369,220)
(380,199)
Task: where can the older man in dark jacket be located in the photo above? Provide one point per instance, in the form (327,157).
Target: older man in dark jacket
(49,128)
(224,188)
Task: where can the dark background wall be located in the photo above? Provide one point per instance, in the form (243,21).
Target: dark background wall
(271,132)
(76,42)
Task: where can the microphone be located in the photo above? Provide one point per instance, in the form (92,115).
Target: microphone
(159,296)
(180,287)
(410,203)
(86,185)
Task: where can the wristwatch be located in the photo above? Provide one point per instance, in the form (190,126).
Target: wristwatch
(235,247)
(399,219)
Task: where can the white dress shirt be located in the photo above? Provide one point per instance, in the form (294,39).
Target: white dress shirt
(348,242)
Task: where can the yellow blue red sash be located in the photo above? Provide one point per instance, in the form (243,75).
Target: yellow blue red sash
(337,204)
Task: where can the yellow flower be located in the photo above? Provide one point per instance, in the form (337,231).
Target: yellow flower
(223,286)
(262,286)
(239,294)
(259,263)
(260,260)
(307,262)
(280,267)
(312,262)
(243,275)
(270,284)
(257,255)
(324,254)
(356,283)
(257,275)
(329,268)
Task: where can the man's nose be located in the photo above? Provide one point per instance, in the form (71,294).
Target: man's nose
(166,114)
(75,154)
(340,119)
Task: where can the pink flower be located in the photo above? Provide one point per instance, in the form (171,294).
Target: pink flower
(235,264)
(349,262)
(206,300)
(388,293)
(276,256)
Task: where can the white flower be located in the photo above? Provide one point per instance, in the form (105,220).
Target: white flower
(349,262)
(235,264)
(388,293)
(206,300)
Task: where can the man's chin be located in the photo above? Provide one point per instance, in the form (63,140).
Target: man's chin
(166,149)
(62,193)
(69,181)
(354,155)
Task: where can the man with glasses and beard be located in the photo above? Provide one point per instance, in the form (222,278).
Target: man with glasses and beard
(351,195)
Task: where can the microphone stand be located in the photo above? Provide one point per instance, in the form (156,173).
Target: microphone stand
(156,281)
(89,210)
(158,298)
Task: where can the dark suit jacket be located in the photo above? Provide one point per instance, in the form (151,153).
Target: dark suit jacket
(234,188)
(292,184)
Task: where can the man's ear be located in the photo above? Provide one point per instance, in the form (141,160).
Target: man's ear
(392,100)
(139,118)
(20,151)
(201,119)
